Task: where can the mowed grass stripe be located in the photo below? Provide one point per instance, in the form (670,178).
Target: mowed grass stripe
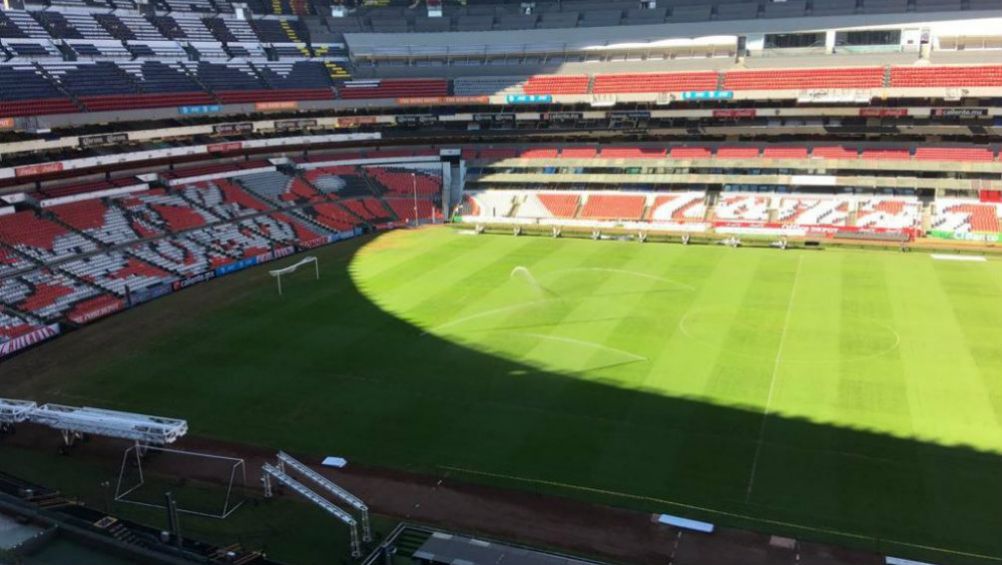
(323,370)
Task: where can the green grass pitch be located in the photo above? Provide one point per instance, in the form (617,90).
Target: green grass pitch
(844,395)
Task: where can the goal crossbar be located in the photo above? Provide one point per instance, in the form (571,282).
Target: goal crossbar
(277,273)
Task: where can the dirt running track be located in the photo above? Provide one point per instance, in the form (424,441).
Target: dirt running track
(614,534)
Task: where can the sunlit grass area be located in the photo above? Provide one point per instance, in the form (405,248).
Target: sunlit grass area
(835,394)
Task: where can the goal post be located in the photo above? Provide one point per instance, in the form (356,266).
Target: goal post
(277,273)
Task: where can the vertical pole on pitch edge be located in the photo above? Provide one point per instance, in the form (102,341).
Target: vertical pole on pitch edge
(316,267)
(279,277)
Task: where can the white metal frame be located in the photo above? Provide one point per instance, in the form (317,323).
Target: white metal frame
(74,422)
(136,453)
(15,411)
(269,472)
(277,273)
(329,486)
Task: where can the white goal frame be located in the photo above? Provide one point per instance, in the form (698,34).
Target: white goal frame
(277,273)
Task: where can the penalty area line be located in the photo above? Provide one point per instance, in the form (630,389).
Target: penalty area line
(725,513)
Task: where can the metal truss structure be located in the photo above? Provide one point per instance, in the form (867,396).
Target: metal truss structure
(74,422)
(131,478)
(284,459)
(269,472)
(15,411)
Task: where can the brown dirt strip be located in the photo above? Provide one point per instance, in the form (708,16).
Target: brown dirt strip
(605,532)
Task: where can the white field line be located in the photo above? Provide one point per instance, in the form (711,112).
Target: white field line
(598,346)
(622,272)
(772,381)
(969,258)
(486,313)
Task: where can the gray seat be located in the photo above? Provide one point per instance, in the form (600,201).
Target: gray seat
(885,6)
(601,18)
(389,25)
(940,5)
(642,16)
(737,11)
(475,23)
(558,20)
(516,22)
(432,24)
(681,14)
(789,9)
(833,7)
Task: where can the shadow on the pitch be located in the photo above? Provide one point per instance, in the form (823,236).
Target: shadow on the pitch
(430,404)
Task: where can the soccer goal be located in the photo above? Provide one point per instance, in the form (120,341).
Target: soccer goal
(277,273)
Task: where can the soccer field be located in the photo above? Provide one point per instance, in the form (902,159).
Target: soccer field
(835,394)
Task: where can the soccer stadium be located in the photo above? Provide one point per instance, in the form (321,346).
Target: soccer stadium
(468,282)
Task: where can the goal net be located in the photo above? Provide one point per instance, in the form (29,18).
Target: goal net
(285,271)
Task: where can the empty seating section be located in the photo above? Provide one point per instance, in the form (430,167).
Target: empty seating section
(489,203)
(577,153)
(834,152)
(742,208)
(556,84)
(15,325)
(342,181)
(98,219)
(406,182)
(654,82)
(404,208)
(737,152)
(953,76)
(541,153)
(92,83)
(812,211)
(966,216)
(298,75)
(885,154)
(613,207)
(223,199)
(784,153)
(177,255)
(633,153)
(286,229)
(48,294)
(42,239)
(368,208)
(25,91)
(954,154)
(796,79)
(888,213)
(278,188)
(690,152)
(11,262)
(328,215)
(237,240)
(549,205)
(395,88)
(678,208)
(17,24)
(154,212)
(116,272)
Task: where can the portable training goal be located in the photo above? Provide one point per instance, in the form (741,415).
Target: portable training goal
(277,273)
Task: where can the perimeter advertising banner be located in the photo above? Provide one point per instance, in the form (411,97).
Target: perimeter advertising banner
(529,99)
(199,109)
(145,295)
(28,339)
(6,123)
(975,236)
(191,281)
(236,266)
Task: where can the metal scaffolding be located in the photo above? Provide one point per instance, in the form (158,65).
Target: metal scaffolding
(74,422)
(269,472)
(15,411)
(329,486)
